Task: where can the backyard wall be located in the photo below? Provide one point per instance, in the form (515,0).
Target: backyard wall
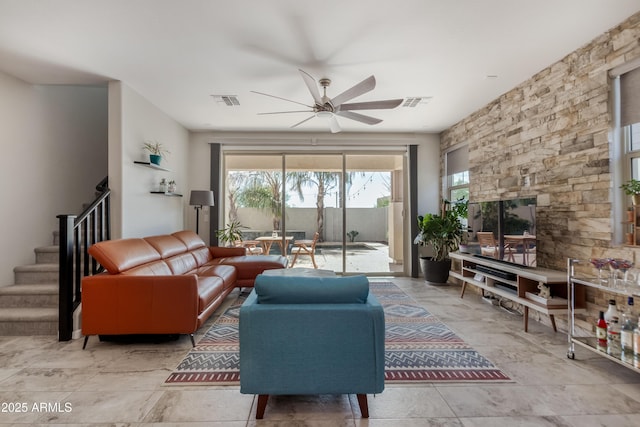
(549,137)
(371,222)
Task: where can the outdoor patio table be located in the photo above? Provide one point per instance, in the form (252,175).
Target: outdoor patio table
(267,241)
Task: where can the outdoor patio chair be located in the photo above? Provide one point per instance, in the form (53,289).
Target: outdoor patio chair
(305,247)
(252,247)
(489,246)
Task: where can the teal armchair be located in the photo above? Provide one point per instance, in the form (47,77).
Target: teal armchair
(311,335)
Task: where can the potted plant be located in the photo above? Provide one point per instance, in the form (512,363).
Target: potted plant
(443,232)
(231,233)
(632,188)
(156,151)
(172,186)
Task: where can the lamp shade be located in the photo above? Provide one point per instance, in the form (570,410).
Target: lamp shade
(201,198)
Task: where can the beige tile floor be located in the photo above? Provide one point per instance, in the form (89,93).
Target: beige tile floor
(122,384)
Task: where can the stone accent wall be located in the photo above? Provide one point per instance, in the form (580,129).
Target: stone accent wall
(549,137)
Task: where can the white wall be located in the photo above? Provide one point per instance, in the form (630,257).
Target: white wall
(54,146)
(132,121)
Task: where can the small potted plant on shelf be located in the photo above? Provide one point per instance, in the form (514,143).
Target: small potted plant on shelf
(156,151)
(632,188)
(172,186)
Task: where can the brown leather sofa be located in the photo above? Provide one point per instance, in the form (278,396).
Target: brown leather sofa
(168,284)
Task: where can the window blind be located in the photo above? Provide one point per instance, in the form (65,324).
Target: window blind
(630,97)
(458,160)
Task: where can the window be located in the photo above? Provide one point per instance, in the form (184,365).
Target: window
(457,174)
(631,138)
(626,136)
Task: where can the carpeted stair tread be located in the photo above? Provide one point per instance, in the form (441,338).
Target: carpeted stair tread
(36,273)
(30,289)
(44,268)
(29,314)
(51,248)
(47,254)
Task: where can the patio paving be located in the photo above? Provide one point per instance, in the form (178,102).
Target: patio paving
(362,257)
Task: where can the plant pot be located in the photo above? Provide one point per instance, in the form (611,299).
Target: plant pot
(630,216)
(155,159)
(635,199)
(435,271)
(629,238)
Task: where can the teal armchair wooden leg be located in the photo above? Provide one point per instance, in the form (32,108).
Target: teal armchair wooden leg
(262,404)
(364,406)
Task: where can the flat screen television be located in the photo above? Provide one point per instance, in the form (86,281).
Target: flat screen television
(504,230)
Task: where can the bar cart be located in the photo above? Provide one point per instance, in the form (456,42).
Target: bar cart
(579,284)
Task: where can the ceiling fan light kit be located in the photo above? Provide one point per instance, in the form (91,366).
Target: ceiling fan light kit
(329,108)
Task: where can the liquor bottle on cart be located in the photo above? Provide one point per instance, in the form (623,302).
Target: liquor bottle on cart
(626,331)
(601,332)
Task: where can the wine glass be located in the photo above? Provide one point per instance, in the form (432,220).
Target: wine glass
(600,263)
(624,265)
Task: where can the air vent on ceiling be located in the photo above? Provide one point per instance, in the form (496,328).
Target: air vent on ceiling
(228,100)
(414,101)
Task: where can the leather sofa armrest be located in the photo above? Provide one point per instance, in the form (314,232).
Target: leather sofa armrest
(121,304)
(220,251)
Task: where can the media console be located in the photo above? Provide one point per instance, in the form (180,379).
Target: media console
(517,284)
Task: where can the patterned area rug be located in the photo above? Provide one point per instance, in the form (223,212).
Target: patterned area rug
(419,348)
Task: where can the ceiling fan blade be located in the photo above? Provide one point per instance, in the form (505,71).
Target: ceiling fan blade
(312,85)
(285,112)
(334,125)
(284,99)
(299,123)
(372,105)
(359,117)
(361,88)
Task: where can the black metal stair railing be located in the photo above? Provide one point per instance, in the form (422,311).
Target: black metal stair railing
(77,234)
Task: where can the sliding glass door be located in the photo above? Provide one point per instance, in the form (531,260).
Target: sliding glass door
(374,213)
(353,202)
(314,205)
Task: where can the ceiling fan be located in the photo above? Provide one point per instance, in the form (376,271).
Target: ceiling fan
(329,108)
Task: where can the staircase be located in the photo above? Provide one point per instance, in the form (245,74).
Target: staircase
(30,306)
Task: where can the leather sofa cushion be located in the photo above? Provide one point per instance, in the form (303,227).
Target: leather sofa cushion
(227,273)
(209,288)
(117,256)
(182,264)
(190,239)
(155,268)
(201,255)
(166,245)
(249,266)
(311,290)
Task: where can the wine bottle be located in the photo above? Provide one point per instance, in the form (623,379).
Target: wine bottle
(612,312)
(601,331)
(613,338)
(636,341)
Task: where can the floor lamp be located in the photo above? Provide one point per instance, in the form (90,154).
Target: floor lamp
(198,199)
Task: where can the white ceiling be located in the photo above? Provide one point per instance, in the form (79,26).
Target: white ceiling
(178,53)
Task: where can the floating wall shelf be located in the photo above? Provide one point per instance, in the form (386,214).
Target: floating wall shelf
(167,194)
(151,165)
